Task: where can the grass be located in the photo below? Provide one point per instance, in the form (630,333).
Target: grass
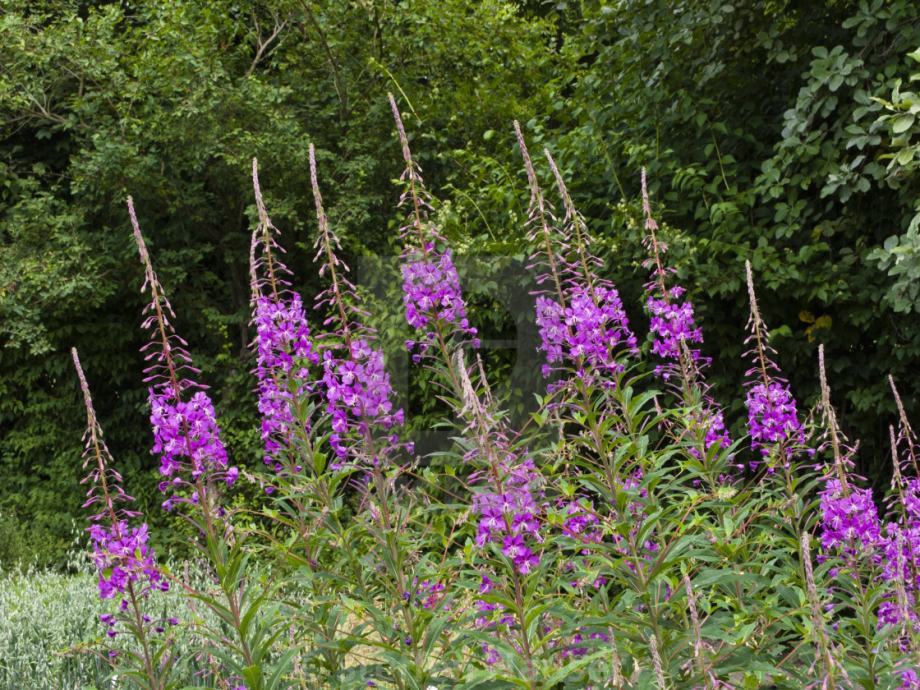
(43,616)
(49,621)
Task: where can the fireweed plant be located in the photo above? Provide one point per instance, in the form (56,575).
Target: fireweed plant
(617,538)
(124,561)
(195,470)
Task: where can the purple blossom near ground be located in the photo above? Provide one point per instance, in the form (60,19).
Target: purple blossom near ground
(713,420)
(124,561)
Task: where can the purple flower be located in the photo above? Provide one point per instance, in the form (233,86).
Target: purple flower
(431,287)
(672,324)
(511,517)
(122,556)
(284,353)
(581,522)
(358,396)
(889,613)
(909,679)
(515,548)
(428,593)
(901,555)
(186,435)
(432,295)
(772,417)
(491,654)
(187,439)
(710,419)
(849,518)
(911,494)
(120,553)
(588,333)
(715,429)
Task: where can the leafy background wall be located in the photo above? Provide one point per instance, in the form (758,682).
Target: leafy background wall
(783,132)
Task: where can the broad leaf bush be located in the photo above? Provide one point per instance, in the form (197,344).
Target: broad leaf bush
(616,537)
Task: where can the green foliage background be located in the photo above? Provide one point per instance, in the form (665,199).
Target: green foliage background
(784,131)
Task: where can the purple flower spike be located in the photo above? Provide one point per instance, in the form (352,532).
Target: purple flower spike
(358,396)
(284,349)
(186,435)
(849,518)
(588,334)
(511,517)
(773,420)
(185,430)
(122,556)
(772,416)
(909,679)
(124,561)
(584,330)
(431,294)
(431,287)
(357,386)
(672,325)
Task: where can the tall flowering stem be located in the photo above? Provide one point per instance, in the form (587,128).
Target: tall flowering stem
(283,345)
(674,330)
(850,522)
(359,402)
(541,233)
(510,517)
(186,433)
(124,561)
(773,421)
(583,326)
(675,335)
(505,485)
(357,386)
(193,461)
(433,301)
(901,546)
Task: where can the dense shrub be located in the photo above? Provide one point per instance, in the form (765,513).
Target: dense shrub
(780,131)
